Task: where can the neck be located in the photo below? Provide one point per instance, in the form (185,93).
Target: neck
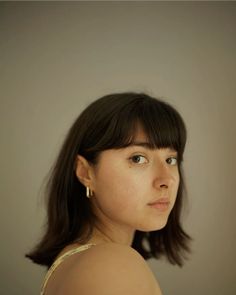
(101,236)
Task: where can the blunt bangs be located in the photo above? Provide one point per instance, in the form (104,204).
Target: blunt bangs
(162,125)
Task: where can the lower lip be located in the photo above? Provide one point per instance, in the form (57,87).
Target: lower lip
(160,206)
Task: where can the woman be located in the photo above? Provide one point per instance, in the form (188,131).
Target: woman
(114,199)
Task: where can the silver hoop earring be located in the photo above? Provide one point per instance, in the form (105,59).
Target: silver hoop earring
(89,192)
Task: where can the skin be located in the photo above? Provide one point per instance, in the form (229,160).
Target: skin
(124,182)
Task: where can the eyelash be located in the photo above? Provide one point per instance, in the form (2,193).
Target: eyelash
(141,156)
(137,156)
(175,158)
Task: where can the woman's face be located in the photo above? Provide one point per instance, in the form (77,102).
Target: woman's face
(127,180)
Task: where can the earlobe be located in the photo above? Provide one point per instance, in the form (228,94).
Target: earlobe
(82,170)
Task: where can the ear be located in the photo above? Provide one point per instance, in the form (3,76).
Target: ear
(83,171)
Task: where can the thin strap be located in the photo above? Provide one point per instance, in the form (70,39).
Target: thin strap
(59,260)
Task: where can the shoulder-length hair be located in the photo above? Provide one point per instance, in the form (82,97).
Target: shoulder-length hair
(110,123)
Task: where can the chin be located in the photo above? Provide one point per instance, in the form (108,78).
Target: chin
(160,222)
(159,226)
(153,227)
(162,226)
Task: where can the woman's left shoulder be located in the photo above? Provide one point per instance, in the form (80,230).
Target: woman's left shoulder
(110,268)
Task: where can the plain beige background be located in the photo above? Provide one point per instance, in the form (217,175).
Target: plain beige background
(57,57)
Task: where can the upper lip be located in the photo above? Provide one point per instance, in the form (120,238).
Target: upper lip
(160,200)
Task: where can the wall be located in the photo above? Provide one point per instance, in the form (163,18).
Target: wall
(57,57)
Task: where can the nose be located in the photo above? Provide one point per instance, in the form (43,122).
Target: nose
(163,177)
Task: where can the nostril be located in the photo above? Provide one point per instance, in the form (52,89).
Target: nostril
(163,185)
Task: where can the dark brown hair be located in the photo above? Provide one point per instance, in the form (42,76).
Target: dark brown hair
(107,123)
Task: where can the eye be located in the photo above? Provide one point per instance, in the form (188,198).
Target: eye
(138,159)
(172,161)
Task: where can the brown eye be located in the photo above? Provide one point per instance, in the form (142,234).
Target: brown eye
(172,161)
(138,159)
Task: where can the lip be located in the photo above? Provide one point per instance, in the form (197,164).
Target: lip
(161,204)
(160,201)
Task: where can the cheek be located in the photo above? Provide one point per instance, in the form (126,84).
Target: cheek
(177,181)
(117,189)
(176,186)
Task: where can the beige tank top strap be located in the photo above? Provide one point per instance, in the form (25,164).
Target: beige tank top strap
(59,260)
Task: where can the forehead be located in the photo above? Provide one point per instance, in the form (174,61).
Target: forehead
(140,134)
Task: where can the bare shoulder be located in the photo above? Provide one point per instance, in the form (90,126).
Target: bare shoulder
(112,269)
